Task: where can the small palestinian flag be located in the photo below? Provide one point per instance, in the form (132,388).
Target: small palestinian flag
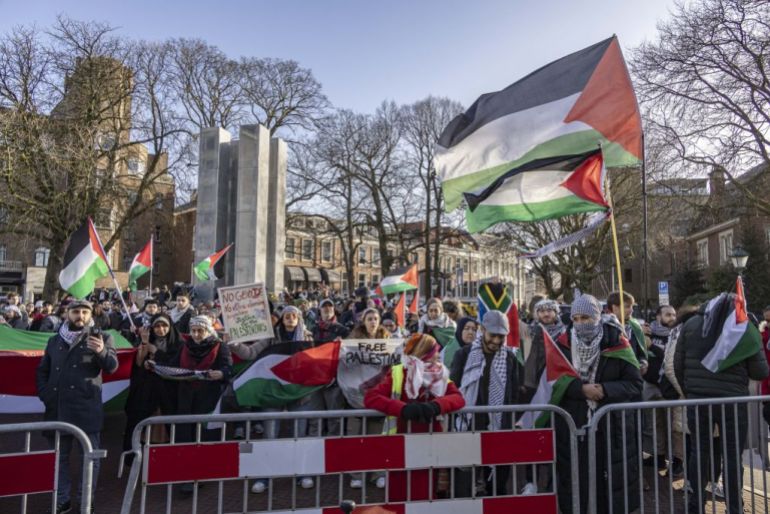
(141,264)
(541,189)
(414,306)
(623,351)
(567,107)
(204,270)
(495,297)
(403,279)
(401,310)
(739,338)
(556,377)
(84,262)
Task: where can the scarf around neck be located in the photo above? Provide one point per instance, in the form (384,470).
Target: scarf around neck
(177,314)
(70,336)
(424,380)
(443,321)
(472,374)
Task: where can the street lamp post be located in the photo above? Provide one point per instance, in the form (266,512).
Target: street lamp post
(739,258)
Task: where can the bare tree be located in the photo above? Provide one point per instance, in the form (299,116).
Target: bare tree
(705,90)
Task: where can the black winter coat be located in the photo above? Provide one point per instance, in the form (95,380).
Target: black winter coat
(622,383)
(200,397)
(697,381)
(332,333)
(69,381)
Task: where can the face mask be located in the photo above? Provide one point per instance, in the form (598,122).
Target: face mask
(587,331)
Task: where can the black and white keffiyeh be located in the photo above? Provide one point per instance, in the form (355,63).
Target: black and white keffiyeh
(498,377)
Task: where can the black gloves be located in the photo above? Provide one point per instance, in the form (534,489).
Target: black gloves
(411,411)
(422,412)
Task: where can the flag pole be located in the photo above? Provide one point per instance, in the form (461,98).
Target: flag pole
(617,253)
(114,279)
(152,260)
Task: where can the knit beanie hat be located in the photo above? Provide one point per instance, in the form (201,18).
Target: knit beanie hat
(547,305)
(421,346)
(587,305)
(203,322)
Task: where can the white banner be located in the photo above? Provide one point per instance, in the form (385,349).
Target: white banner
(363,362)
(246,312)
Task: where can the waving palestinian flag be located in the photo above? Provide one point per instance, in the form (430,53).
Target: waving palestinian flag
(84,262)
(204,270)
(739,338)
(556,377)
(565,108)
(400,280)
(141,264)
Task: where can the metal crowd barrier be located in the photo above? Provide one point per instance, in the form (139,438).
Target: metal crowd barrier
(721,469)
(194,454)
(31,471)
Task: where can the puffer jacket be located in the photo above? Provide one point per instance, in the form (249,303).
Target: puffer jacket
(697,381)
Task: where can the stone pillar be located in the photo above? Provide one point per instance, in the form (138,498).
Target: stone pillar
(211,226)
(276,209)
(251,217)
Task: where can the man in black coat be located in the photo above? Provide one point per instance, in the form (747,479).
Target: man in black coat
(328,329)
(697,338)
(69,383)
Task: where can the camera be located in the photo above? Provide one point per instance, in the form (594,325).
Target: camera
(95,332)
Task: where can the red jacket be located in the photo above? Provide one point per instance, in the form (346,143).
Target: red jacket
(764,386)
(379,398)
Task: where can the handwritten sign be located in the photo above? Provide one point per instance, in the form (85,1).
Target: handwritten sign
(363,363)
(245,312)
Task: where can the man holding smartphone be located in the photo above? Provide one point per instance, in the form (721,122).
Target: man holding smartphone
(69,383)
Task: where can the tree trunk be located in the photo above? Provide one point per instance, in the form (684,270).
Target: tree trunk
(428,253)
(55,262)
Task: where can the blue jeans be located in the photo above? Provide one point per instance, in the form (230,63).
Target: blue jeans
(65,483)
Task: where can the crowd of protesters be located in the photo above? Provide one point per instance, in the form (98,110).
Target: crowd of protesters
(476,368)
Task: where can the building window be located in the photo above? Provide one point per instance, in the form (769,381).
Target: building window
(307,249)
(135,166)
(362,255)
(362,280)
(725,246)
(345,283)
(290,248)
(157,233)
(702,248)
(159,201)
(376,256)
(375,280)
(628,275)
(326,251)
(3,253)
(41,257)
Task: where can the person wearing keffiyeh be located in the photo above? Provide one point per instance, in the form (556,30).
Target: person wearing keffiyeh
(608,372)
(415,395)
(547,316)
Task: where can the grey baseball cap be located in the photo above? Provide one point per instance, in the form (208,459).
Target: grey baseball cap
(495,322)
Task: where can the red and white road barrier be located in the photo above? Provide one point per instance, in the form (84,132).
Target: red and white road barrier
(540,504)
(27,473)
(317,456)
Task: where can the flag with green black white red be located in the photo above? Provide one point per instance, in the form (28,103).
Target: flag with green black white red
(141,264)
(84,261)
(538,190)
(567,107)
(554,381)
(398,281)
(204,270)
(738,340)
(623,351)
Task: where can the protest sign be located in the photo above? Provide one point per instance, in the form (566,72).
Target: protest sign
(245,312)
(363,363)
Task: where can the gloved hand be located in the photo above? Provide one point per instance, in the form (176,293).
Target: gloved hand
(428,411)
(411,411)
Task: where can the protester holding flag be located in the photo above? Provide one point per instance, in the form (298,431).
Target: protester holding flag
(414,395)
(718,352)
(606,371)
(182,313)
(486,371)
(633,329)
(69,383)
(435,318)
(547,317)
(148,393)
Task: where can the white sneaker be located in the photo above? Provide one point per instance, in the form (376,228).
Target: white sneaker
(306,483)
(356,483)
(380,483)
(259,487)
(529,488)
(717,490)
(239,433)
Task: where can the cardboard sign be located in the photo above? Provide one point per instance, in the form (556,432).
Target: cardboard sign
(363,363)
(245,312)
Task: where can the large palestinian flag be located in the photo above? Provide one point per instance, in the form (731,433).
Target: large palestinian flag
(567,107)
(398,281)
(541,189)
(279,377)
(739,338)
(20,354)
(495,297)
(84,262)
(556,377)
(141,264)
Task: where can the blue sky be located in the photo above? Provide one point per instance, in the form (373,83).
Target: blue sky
(364,52)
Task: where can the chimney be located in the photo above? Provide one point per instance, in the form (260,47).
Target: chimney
(717,182)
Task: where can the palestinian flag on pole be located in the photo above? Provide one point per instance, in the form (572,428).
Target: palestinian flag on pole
(541,189)
(567,107)
(279,377)
(20,354)
(623,351)
(398,281)
(739,338)
(556,377)
(495,297)
(141,264)
(84,261)
(204,270)
(414,306)
(401,310)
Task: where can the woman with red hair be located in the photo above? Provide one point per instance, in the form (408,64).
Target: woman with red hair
(417,391)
